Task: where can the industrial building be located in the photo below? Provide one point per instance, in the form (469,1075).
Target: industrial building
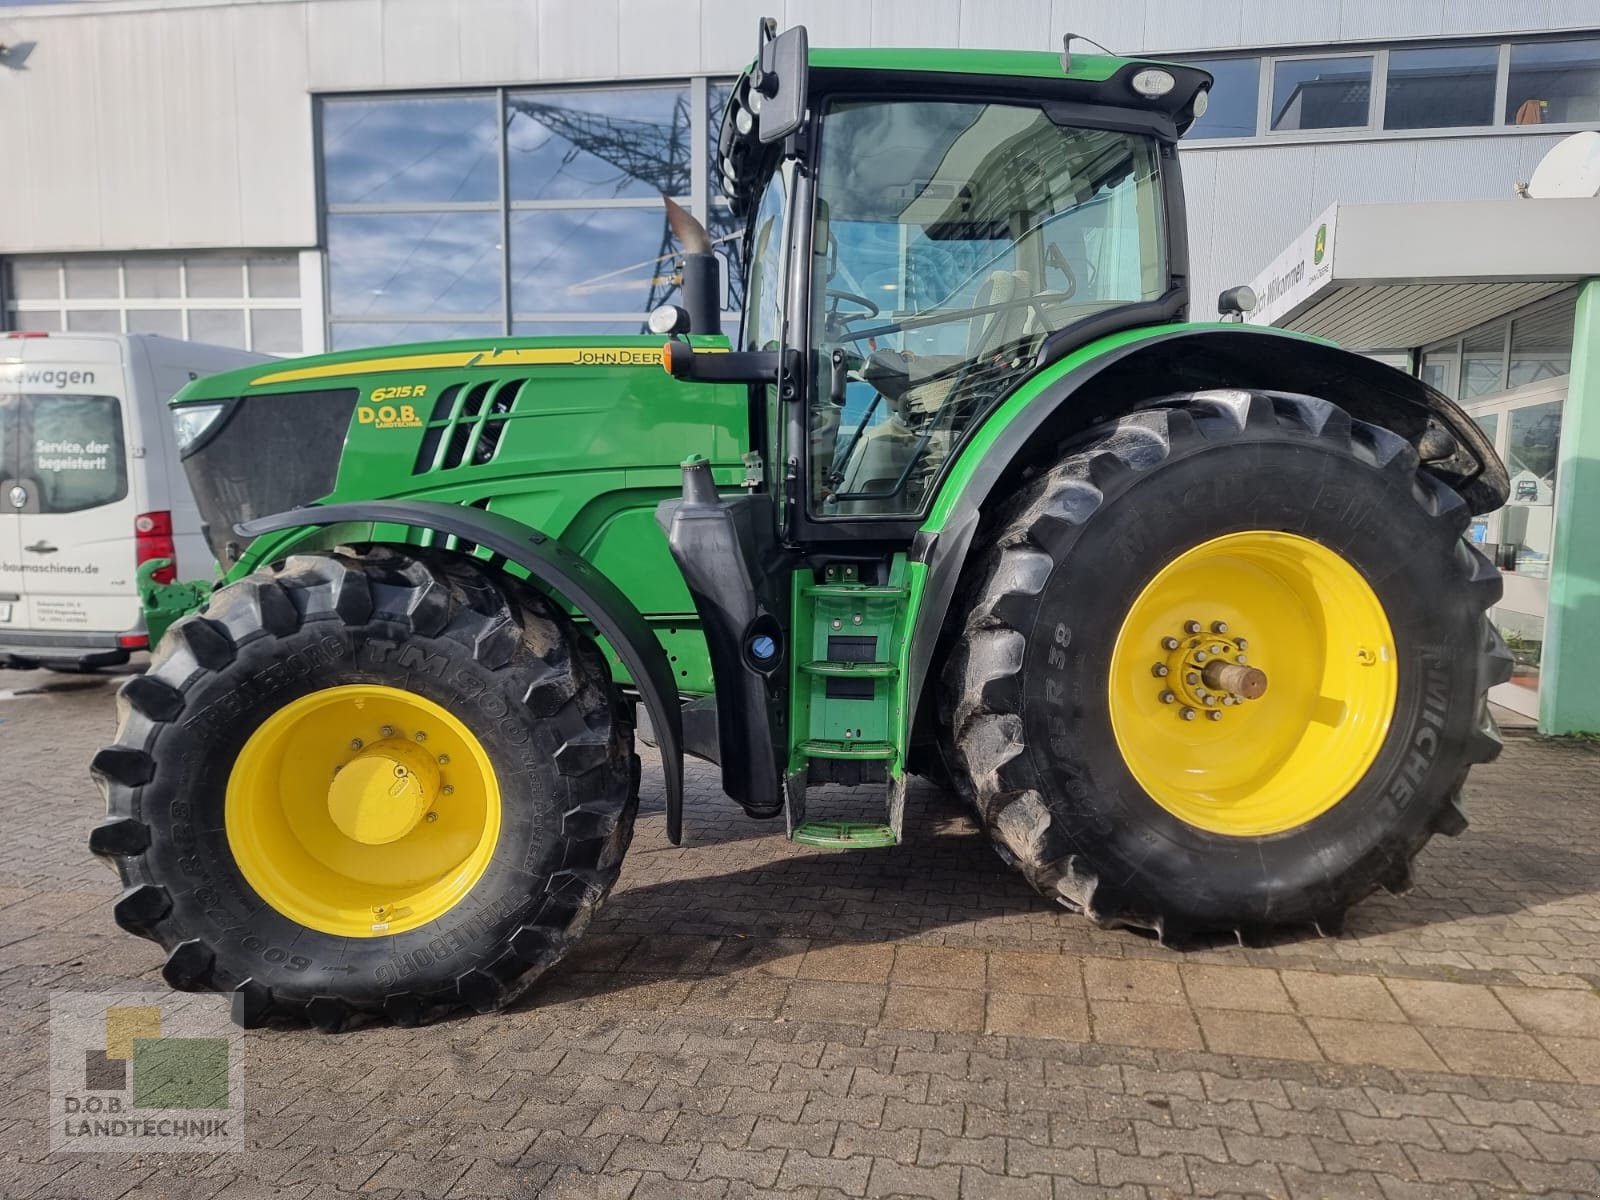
(291,176)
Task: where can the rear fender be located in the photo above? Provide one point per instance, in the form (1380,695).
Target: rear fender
(549,564)
(1126,370)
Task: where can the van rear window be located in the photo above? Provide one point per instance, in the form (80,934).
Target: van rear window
(69,447)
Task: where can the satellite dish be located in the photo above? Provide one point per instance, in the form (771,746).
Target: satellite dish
(1571,168)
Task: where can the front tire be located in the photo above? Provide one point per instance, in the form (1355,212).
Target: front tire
(1119,781)
(375,784)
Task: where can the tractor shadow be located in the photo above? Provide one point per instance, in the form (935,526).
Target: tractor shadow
(741,901)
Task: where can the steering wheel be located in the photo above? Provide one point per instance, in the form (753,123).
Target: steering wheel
(837,294)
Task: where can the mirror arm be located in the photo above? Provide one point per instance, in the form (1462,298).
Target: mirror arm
(683,361)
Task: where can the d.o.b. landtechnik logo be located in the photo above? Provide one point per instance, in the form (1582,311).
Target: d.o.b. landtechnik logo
(142,1071)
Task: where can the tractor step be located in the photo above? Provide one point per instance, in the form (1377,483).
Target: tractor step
(843,835)
(856,591)
(819,748)
(847,674)
(859,670)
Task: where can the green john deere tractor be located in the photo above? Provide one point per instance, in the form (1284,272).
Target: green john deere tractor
(1183,610)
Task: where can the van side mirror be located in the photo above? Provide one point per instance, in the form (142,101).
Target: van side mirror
(781,79)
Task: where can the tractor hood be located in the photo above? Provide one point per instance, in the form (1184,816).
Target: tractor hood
(466,421)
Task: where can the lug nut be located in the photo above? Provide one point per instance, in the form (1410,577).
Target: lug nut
(1219,627)
(431,818)
(1241,643)
(1216,649)
(1199,656)
(387,731)
(1238,658)
(1215,715)
(1169,643)
(421,737)
(1207,698)
(444,760)
(448,790)
(1168,698)
(838,624)
(355,743)
(1159,670)
(1189,714)
(1192,678)
(1191,626)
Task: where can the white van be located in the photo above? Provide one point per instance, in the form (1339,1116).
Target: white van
(90,487)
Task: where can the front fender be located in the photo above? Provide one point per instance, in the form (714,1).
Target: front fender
(557,568)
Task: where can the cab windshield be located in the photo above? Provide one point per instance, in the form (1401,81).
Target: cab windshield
(952,239)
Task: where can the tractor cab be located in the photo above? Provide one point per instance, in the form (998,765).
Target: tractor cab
(926,229)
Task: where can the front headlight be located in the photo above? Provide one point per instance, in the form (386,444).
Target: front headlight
(190,422)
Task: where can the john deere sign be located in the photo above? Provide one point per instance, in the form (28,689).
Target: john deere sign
(1296,273)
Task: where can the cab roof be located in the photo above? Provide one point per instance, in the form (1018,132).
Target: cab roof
(1025,64)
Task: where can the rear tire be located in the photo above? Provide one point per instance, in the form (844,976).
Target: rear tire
(1107,801)
(483,664)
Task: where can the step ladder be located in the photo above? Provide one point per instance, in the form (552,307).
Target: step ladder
(848,694)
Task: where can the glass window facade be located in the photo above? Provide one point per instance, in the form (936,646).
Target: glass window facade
(1541,343)
(1485,361)
(438,225)
(248,301)
(441,149)
(1440,88)
(1551,83)
(1516,395)
(1322,93)
(1233,100)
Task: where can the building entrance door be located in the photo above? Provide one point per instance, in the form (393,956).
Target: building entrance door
(1525,426)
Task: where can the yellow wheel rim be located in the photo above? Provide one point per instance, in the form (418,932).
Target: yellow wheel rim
(362,811)
(1289,608)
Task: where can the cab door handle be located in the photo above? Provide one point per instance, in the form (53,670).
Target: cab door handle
(41,547)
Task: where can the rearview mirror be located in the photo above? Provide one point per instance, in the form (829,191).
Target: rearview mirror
(781,78)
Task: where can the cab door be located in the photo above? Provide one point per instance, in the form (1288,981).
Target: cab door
(11,604)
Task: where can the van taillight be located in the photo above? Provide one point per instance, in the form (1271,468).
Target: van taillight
(152,536)
(28,333)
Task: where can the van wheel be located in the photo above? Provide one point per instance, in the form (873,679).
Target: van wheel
(375,784)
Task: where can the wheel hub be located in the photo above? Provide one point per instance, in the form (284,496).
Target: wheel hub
(1190,707)
(1205,669)
(362,810)
(384,792)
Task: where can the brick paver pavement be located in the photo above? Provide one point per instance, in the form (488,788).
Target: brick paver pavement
(752,1018)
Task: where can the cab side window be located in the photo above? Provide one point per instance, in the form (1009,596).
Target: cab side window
(763,313)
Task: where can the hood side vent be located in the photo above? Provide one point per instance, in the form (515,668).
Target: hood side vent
(467,423)
(438,423)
